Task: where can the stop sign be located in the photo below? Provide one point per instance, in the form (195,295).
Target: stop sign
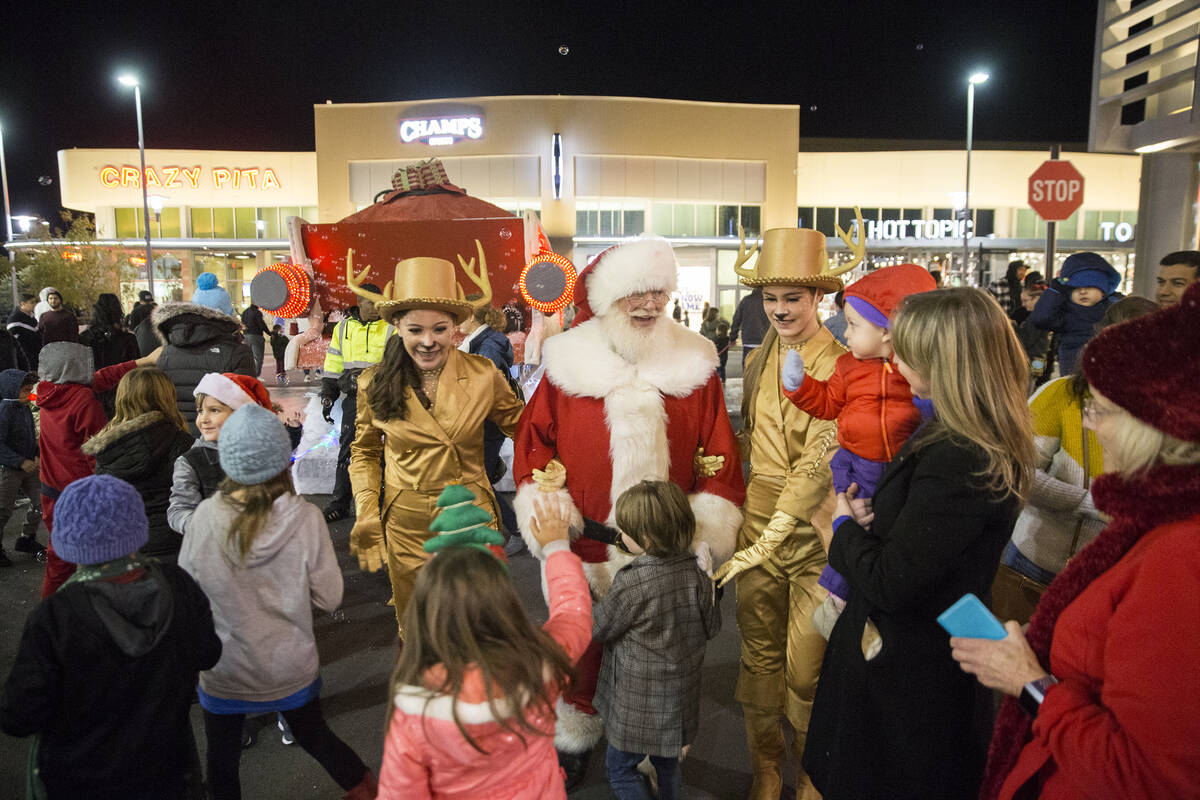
(1055,190)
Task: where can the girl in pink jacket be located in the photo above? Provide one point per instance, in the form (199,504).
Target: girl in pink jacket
(475,688)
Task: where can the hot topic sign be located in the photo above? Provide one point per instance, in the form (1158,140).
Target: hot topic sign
(1055,190)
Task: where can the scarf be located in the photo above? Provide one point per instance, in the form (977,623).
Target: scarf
(1137,504)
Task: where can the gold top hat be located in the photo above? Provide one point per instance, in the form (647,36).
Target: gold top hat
(796,257)
(425,282)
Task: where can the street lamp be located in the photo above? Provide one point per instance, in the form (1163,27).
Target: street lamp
(975,79)
(131,80)
(12,263)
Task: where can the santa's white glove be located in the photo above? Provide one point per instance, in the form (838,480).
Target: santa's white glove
(793,371)
(779,528)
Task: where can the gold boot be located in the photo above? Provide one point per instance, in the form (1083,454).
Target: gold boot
(764,736)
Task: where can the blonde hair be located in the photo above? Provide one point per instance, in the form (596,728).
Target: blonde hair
(962,342)
(657,516)
(253,503)
(1135,446)
(146,389)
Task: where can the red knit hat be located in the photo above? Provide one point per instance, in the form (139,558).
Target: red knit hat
(884,288)
(234,390)
(1150,367)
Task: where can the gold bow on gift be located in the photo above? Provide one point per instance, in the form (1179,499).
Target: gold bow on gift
(423,175)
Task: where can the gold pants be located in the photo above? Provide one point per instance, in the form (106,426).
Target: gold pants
(781,651)
(406,528)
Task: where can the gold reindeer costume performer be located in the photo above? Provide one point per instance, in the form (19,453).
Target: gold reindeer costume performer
(422,409)
(788,499)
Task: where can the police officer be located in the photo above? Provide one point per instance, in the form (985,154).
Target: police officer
(357,343)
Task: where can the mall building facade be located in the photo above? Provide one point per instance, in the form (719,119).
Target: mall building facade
(598,169)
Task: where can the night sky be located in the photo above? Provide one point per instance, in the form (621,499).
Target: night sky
(244,76)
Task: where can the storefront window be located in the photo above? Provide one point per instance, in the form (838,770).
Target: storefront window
(633,222)
(985,221)
(243,223)
(223,224)
(202,223)
(826,221)
(727,220)
(685,220)
(752,220)
(706,220)
(127,223)
(662,219)
(270,219)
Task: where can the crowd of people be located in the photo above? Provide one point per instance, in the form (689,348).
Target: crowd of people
(889,476)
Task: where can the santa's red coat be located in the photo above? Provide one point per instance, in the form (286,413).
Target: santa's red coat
(613,424)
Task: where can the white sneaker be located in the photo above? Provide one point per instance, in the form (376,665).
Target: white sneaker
(286,732)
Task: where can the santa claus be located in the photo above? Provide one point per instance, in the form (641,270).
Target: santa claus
(628,395)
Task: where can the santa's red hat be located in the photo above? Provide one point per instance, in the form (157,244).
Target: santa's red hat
(638,265)
(234,390)
(877,295)
(1150,367)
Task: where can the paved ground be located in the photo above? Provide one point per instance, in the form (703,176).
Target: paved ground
(357,647)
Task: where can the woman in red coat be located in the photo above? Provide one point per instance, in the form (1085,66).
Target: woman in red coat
(1104,688)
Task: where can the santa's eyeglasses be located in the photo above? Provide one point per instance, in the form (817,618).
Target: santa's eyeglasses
(656,296)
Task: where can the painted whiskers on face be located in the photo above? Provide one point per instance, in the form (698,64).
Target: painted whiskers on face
(792,311)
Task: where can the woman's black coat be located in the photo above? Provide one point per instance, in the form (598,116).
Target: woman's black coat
(142,452)
(903,725)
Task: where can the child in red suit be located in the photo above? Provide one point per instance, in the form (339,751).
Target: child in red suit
(868,396)
(70,414)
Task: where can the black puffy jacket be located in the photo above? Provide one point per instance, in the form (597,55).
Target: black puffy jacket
(142,452)
(198,340)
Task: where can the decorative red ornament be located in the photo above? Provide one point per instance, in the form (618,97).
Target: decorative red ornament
(299,290)
(569,273)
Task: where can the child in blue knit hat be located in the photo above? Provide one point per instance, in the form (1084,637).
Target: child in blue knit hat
(107,665)
(263,555)
(1075,303)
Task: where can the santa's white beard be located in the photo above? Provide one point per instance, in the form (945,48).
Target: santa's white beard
(630,343)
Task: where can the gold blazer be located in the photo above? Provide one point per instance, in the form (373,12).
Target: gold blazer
(429,449)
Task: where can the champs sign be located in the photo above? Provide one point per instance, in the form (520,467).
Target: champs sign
(441,130)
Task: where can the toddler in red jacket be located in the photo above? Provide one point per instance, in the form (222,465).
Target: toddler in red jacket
(867,395)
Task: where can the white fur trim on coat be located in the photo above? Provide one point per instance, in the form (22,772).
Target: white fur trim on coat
(523,508)
(581,363)
(639,265)
(717,523)
(575,731)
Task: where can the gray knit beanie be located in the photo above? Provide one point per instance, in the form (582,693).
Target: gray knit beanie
(254,446)
(97,519)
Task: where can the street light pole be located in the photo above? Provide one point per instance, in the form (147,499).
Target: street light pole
(12,264)
(976,78)
(130,80)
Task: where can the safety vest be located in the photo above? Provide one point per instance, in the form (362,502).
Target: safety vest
(356,345)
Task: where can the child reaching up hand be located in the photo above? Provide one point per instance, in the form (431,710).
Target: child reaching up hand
(476,685)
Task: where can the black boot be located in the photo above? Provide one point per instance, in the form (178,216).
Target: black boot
(575,765)
(28,544)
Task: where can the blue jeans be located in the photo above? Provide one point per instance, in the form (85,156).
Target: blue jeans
(1014,558)
(626,782)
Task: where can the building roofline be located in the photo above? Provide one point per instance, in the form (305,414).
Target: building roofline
(565,97)
(829,144)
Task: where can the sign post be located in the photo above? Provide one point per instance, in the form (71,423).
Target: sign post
(1055,193)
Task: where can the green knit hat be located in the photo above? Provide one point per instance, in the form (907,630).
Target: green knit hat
(461,523)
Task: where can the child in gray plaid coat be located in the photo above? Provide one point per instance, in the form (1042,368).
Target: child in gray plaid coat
(654,623)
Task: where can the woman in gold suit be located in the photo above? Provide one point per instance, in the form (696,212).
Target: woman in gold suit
(420,418)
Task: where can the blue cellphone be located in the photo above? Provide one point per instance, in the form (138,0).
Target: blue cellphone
(969,617)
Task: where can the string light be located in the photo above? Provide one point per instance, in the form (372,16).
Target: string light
(299,290)
(569,273)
